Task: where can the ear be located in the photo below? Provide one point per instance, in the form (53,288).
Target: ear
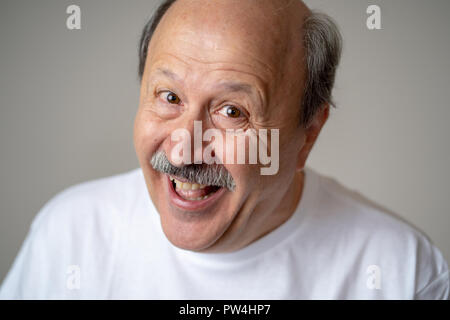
(311,132)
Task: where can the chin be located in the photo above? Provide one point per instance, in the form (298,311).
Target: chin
(193,217)
(193,223)
(189,242)
(191,235)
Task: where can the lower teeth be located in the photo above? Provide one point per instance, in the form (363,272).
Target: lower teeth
(199,198)
(191,199)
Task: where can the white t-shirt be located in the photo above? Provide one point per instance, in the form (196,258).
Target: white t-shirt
(103,240)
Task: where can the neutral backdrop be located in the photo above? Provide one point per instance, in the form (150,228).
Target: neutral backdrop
(68,100)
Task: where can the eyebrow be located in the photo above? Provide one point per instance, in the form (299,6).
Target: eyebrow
(230,85)
(168,74)
(233,86)
(237,86)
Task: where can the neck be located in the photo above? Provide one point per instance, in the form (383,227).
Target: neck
(285,208)
(261,224)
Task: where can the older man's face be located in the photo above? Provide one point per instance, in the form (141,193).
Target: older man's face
(230,65)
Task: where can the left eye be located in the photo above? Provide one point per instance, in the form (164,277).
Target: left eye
(171,97)
(231,111)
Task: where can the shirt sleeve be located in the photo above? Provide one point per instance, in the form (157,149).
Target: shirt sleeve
(437,289)
(11,287)
(34,273)
(25,279)
(70,249)
(434,274)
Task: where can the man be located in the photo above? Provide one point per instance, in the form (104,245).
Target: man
(182,227)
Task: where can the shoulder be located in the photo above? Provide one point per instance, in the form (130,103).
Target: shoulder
(106,198)
(88,217)
(78,230)
(373,235)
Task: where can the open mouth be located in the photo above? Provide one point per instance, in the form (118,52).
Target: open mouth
(192,191)
(193,197)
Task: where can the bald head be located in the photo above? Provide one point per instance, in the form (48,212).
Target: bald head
(272,28)
(272,33)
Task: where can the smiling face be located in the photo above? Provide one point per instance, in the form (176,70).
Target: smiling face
(231,65)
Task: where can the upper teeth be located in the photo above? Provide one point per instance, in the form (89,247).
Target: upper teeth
(186,185)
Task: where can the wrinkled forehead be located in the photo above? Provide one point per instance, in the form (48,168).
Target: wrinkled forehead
(260,35)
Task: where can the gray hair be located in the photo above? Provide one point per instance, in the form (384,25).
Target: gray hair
(323,45)
(212,175)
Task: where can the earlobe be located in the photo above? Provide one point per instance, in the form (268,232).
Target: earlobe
(311,132)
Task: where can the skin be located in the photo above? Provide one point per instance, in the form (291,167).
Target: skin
(203,43)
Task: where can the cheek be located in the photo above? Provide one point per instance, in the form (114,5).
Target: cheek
(241,157)
(148,135)
(247,179)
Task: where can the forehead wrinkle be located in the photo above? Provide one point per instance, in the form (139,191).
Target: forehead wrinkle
(213,43)
(260,89)
(221,64)
(215,50)
(209,50)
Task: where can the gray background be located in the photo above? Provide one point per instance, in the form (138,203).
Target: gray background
(68,100)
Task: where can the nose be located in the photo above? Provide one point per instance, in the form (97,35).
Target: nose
(186,143)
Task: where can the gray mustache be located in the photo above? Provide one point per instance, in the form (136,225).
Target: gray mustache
(212,175)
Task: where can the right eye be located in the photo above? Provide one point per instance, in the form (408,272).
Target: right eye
(170,97)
